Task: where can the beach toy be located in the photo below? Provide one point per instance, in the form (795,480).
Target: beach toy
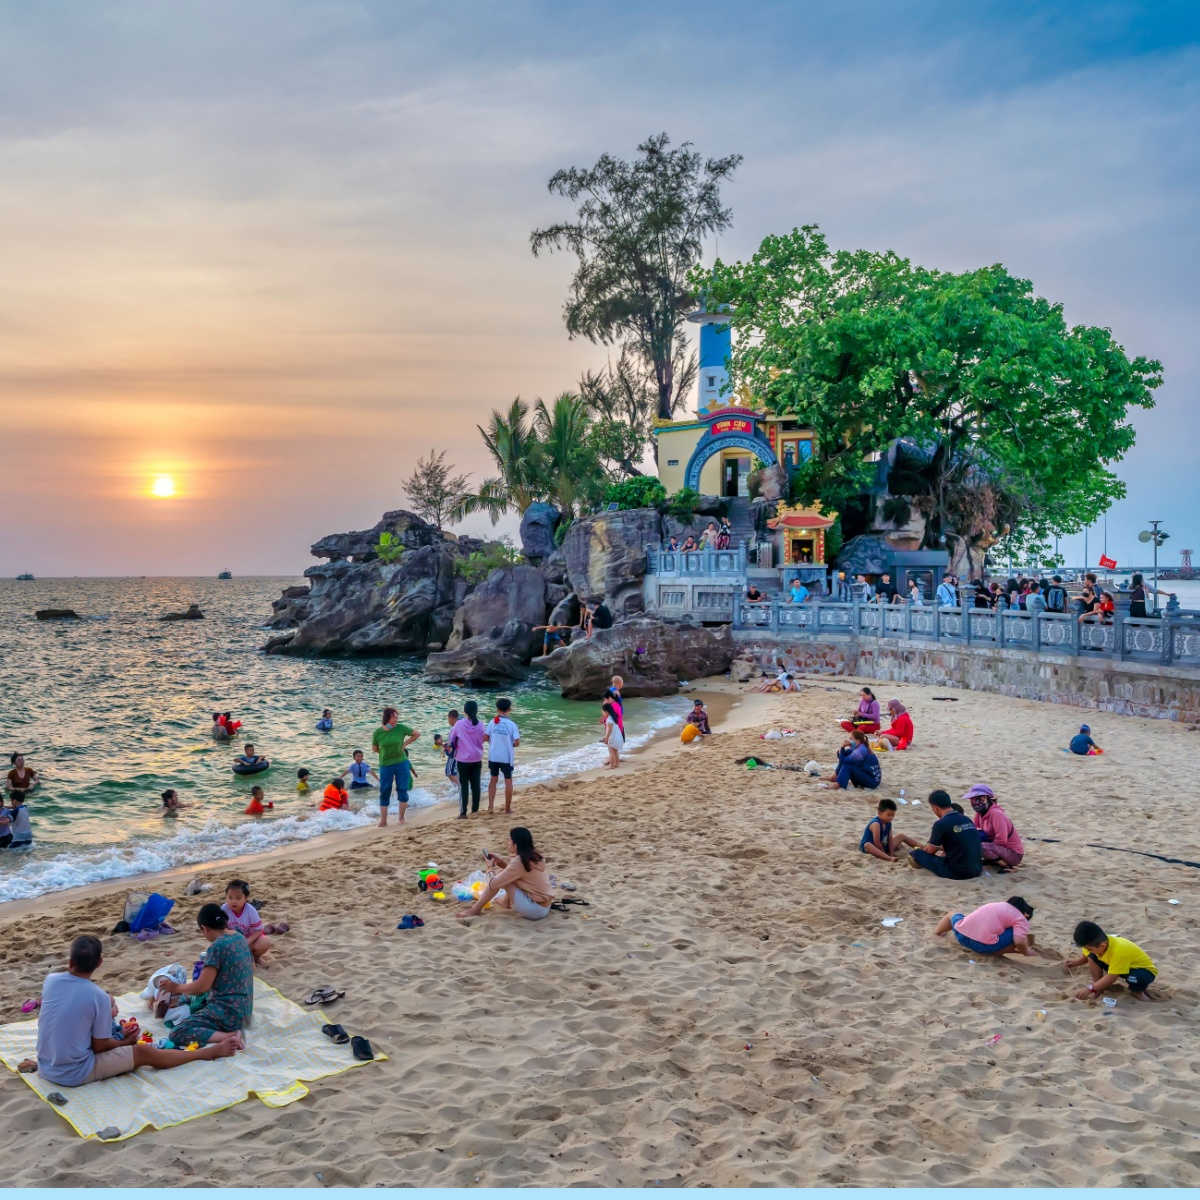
(192,1046)
(429,879)
(751,763)
(147,1038)
(439,895)
(476,888)
(690,733)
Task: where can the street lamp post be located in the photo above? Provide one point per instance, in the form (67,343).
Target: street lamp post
(1158,539)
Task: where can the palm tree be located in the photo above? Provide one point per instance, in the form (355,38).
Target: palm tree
(517,455)
(569,467)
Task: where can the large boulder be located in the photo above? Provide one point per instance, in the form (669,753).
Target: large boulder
(359,545)
(652,656)
(537,531)
(56,614)
(606,557)
(487,660)
(373,607)
(507,594)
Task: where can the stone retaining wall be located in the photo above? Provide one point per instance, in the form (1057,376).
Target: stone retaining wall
(1134,689)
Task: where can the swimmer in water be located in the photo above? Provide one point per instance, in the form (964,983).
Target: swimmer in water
(170,803)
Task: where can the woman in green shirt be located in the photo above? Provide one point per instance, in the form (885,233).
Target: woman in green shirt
(391,742)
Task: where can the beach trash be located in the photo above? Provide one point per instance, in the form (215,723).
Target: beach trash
(891,922)
(1169,902)
(994,1038)
(1108,1002)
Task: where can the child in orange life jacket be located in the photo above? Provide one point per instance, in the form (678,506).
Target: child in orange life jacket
(256,808)
(335,795)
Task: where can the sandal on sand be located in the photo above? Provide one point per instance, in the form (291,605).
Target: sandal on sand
(362,1049)
(31,1006)
(336,1034)
(410,921)
(323,995)
(558,906)
(575,900)
(280,927)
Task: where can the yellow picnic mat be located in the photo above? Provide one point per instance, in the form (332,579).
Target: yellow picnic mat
(285,1048)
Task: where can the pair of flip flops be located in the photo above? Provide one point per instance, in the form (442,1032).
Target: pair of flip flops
(410,921)
(31,1005)
(277,928)
(323,995)
(359,1046)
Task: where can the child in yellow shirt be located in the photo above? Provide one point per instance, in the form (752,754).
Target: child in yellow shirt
(1110,958)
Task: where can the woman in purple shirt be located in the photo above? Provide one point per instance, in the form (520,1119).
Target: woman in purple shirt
(466,748)
(867,717)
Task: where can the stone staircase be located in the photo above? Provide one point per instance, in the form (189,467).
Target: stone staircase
(740,520)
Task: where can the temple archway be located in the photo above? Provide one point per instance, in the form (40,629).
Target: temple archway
(718,443)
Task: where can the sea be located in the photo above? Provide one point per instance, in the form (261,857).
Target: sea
(117,706)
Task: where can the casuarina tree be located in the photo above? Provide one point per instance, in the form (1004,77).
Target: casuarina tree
(1018,415)
(637,234)
(433,489)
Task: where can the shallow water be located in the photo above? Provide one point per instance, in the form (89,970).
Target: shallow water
(116,707)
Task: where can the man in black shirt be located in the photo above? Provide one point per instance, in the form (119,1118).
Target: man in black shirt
(886,589)
(602,617)
(956,836)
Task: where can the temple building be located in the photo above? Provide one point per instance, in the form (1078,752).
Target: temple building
(731,437)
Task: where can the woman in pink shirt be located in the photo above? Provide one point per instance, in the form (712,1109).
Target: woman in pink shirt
(1001,842)
(999,928)
(466,748)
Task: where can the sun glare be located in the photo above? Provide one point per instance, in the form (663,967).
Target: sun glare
(163,486)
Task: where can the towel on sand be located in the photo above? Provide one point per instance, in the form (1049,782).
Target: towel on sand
(284,1049)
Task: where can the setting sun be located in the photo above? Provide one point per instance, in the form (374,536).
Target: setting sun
(162,486)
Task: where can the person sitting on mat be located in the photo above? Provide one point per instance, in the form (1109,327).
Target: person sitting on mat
(1110,958)
(867,716)
(998,928)
(857,765)
(899,734)
(1082,742)
(1001,842)
(74,1037)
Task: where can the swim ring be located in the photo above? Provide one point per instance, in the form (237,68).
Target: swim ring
(247,769)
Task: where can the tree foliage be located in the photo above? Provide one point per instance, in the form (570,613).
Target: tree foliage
(433,489)
(637,233)
(643,492)
(389,549)
(479,564)
(1020,415)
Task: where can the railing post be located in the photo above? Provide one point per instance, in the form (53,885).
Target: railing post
(1036,638)
(773,618)
(1118,628)
(966,612)
(937,620)
(908,622)
(1075,628)
(1168,638)
(1001,638)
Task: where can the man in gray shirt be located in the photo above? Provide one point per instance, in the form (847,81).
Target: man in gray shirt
(75,1043)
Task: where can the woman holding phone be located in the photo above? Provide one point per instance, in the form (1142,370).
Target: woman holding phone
(521,875)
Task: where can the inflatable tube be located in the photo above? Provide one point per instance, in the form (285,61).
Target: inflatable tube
(690,733)
(247,769)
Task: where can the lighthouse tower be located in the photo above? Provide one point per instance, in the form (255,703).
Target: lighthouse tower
(716,342)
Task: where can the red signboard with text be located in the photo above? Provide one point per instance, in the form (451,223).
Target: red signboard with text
(731,425)
(1109,564)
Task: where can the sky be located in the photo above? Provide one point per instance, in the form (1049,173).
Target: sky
(279,250)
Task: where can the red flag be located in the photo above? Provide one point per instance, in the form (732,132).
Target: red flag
(1109,564)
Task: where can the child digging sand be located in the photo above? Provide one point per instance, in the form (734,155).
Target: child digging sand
(1110,958)
(879,839)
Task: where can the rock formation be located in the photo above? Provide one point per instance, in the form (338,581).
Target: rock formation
(606,557)
(537,531)
(488,660)
(56,614)
(650,654)
(193,614)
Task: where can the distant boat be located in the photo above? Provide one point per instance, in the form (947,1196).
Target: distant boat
(26,576)
(225,575)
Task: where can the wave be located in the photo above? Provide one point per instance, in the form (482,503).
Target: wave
(215,841)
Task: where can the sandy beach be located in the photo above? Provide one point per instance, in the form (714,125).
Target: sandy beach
(728,1010)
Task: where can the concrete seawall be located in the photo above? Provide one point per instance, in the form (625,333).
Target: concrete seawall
(1132,688)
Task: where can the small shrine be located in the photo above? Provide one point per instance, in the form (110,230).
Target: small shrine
(799,535)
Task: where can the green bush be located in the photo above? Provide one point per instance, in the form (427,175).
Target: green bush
(833,540)
(560,531)
(389,549)
(476,567)
(682,506)
(643,491)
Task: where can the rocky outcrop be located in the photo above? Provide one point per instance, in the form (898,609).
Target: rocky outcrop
(507,594)
(373,607)
(651,655)
(488,660)
(56,614)
(193,614)
(606,557)
(360,545)
(537,531)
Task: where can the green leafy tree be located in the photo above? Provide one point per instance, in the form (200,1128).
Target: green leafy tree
(643,492)
(570,467)
(516,456)
(638,232)
(389,549)
(478,565)
(1021,414)
(433,489)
